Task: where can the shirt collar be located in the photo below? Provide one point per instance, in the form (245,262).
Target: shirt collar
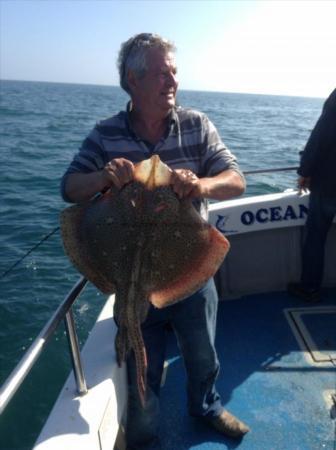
(172,116)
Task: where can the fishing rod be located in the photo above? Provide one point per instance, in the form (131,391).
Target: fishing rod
(246,172)
(29,251)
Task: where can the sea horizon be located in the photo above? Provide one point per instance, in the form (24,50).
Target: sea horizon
(180,89)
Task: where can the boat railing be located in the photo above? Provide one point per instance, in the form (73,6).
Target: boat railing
(279,169)
(64,311)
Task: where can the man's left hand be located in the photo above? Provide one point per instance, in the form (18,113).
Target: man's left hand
(186,184)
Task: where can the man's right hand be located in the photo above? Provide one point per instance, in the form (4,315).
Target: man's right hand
(118,172)
(303,184)
(80,187)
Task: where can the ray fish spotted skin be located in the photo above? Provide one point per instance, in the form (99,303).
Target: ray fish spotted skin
(146,246)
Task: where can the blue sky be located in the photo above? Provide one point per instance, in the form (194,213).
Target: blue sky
(275,47)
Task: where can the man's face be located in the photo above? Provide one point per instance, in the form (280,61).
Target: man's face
(157,89)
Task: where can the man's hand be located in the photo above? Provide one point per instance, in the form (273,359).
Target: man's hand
(118,172)
(303,184)
(186,184)
(227,184)
(80,187)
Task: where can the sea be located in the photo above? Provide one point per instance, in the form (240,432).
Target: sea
(41,127)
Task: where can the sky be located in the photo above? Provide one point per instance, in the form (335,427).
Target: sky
(284,47)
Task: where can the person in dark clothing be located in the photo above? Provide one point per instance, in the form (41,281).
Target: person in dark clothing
(317,172)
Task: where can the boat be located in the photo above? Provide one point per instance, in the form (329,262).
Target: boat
(277,353)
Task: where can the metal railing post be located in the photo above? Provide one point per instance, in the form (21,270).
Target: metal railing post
(75,353)
(14,380)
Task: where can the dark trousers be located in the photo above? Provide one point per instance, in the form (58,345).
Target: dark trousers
(321,213)
(194,323)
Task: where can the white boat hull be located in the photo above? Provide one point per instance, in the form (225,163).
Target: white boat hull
(265,233)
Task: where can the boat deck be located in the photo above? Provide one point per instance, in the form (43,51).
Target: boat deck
(278,374)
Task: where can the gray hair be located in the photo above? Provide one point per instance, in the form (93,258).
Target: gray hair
(132,55)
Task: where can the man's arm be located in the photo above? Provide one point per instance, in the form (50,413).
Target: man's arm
(223,186)
(316,147)
(80,187)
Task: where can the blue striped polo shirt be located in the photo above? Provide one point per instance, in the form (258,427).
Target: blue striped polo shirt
(191,142)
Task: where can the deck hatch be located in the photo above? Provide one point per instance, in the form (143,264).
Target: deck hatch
(316,328)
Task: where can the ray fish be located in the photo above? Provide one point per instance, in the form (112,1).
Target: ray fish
(145,245)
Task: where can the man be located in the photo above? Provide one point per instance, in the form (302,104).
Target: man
(203,168)
(317,172)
